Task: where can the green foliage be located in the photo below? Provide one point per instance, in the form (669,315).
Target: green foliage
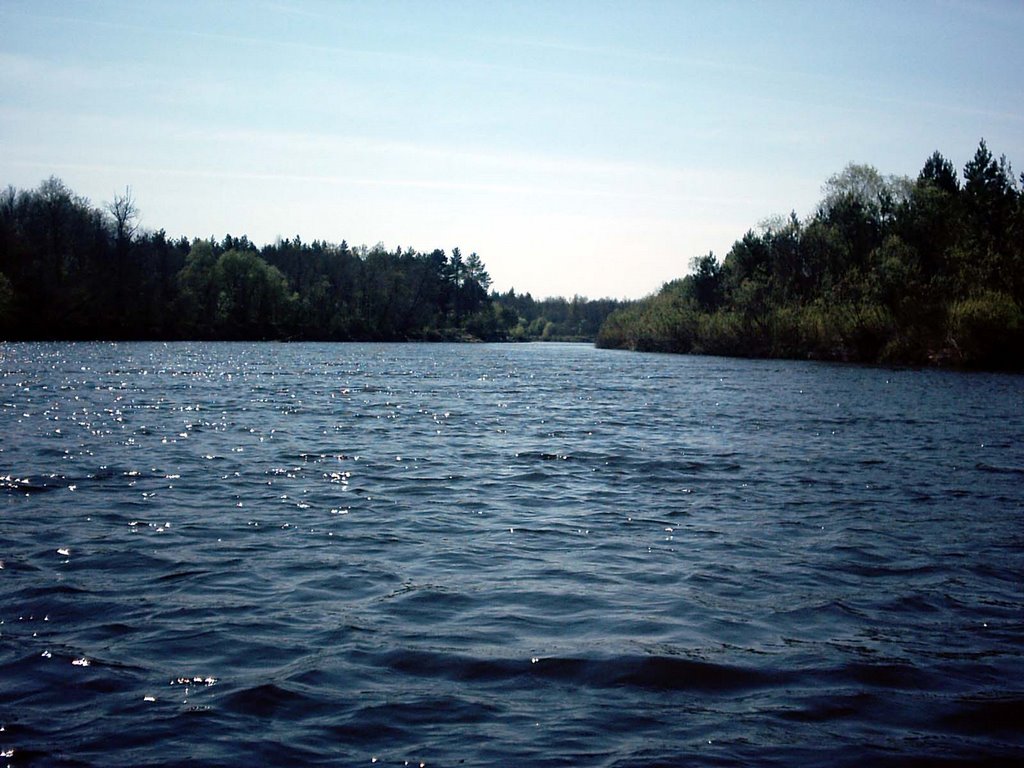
(885,270)
(554,319)
(6,302)
(69,270)
(987,330)
(252,297)
(706,282)
(939,173)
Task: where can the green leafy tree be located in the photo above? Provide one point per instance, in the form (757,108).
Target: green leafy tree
(253,300)
(198,291)
(885,270)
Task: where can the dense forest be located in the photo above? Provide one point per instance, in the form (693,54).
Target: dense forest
(887,269)
(70,270)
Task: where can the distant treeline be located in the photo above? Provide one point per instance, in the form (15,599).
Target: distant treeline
(69,270)
(888,269)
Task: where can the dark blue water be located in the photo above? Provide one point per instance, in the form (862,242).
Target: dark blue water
(526,555)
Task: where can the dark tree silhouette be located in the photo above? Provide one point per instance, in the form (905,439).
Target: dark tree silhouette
(885,270)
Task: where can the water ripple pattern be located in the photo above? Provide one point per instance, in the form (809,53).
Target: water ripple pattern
(545,555)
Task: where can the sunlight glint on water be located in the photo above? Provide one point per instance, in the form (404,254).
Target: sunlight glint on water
(540,554)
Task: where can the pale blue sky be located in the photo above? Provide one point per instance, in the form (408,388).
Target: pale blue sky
(578,147)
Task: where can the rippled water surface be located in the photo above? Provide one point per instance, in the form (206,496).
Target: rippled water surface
(275,554)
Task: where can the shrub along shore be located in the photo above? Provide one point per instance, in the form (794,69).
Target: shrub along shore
(887,269)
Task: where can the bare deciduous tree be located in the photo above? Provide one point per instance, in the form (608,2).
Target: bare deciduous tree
(126,216)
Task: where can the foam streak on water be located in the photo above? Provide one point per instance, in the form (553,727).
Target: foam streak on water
(235,554)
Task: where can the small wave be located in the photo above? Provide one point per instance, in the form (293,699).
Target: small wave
(995,716)
(820,709)
(544,456)
(664,563)
(267,700)
(996,470)
(885,675)
(178,575)
(13,484)
(660,673)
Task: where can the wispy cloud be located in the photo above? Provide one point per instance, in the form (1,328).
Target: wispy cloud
(23,71)
(505,190)
(294,9)
(579,176)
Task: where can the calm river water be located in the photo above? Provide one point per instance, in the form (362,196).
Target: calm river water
(266,554)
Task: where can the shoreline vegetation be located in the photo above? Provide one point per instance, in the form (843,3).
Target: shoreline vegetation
(886,270)
(73,271)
